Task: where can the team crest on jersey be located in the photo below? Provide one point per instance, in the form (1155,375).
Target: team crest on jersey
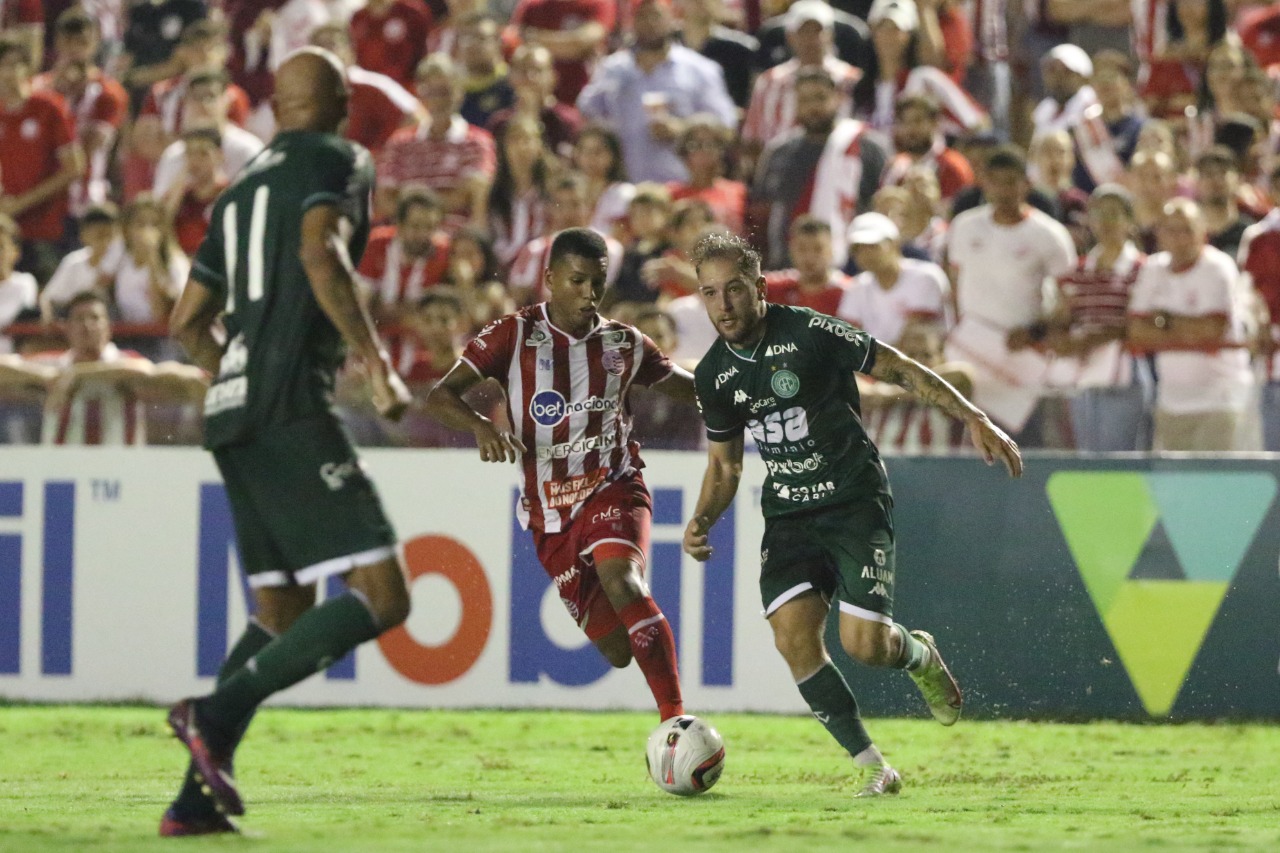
(616,340)
(785,384)
(536,338)
(614,362)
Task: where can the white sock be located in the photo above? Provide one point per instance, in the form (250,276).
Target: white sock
(870,755)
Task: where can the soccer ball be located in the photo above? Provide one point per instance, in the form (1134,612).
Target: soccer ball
(685,756)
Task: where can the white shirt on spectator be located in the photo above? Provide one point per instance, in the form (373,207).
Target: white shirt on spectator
(76,273)
(239,146)
(919,293)
(612,206)
(1004,270)
(17,294)
(1192,382)
(133,285)
(1050,116)
(694,332)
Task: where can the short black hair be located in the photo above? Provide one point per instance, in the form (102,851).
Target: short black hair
(583,242)
(814,74)
(105,213)
(1008,157)
(417,197)
(1218,155)
(442,294)
(74,22)
(84,297)
(728,247)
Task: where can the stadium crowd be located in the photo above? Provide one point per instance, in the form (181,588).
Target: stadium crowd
(1064,206)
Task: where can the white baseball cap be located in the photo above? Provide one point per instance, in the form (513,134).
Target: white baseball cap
(1073,57)
(902,13)
(803,11)
(871,229)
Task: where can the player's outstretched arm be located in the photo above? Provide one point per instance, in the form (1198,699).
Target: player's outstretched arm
(191,324)
(719,485)
(929,387)
(328,266)
(678,385)
(444,403)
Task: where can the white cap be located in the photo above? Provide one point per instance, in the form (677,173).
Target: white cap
(902,13)
(871,229)
(803,11)
(1073,57)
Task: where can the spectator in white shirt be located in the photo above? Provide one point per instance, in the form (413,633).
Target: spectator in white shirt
(892,292)
(205,106)
(1004,257)
(152,273)
(1066,70)
(89,268)
(1184,309)
(17,289)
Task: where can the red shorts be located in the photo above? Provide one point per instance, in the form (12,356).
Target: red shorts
(616,517)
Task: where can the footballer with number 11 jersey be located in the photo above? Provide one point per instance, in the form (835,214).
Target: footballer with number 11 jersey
(566,372)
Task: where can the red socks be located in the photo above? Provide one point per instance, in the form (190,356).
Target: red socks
(654,648)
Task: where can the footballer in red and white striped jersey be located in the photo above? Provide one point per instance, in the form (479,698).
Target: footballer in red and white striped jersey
(566,398)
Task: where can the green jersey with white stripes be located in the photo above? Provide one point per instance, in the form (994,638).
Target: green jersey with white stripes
(795,392)
(282,351)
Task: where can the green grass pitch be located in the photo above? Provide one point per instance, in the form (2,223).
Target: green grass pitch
(97,779)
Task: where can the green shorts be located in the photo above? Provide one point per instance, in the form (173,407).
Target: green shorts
(844,552)
(303,507)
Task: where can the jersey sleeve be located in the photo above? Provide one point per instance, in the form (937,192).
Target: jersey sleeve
(209,266)
(723,424)
(654,364)
(489,353)
(849,348)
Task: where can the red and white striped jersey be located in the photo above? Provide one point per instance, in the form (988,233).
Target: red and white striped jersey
(912,427)
(98,412)
(567,401)
(990,28)
(772,111)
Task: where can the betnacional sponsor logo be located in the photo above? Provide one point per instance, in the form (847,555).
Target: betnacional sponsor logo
(548,407)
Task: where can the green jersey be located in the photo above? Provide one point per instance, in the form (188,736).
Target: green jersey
(282,350)
(795,391)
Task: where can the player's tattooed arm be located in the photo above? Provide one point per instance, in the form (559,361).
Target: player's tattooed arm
(892,366)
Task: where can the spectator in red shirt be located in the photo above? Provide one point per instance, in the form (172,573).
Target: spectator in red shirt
(574,31)
(404,259)
(390,37)
(39,160)
(190,200)
(533,80)
(813,282)
(97,103)
(377,105)
(24,20)
(918,141)
(444,153)
(702,145)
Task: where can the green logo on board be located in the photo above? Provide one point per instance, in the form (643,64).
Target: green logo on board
(785,383)
(1194,530)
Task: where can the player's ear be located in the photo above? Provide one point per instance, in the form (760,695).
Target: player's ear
(761,288)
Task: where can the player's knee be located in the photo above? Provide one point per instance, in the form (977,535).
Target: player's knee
(800,649)
(616,648)
(393,608)
(870,648)
(618,658)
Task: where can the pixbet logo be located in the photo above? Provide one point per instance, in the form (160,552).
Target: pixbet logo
(54,519)
(1157,610)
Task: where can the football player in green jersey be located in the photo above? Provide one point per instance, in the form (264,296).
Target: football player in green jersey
(787,375)
(277,269)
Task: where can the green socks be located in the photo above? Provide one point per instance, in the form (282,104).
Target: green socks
(832,702)
(191,799)
(914,653)
(319,637)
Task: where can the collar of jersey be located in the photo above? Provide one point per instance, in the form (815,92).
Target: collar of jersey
(731,348)
(547,316)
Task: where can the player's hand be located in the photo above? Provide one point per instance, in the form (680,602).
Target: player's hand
(993,444)
(390,395)
(695,539)
(497,445)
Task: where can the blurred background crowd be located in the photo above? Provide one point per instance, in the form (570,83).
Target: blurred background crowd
(1064,206)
